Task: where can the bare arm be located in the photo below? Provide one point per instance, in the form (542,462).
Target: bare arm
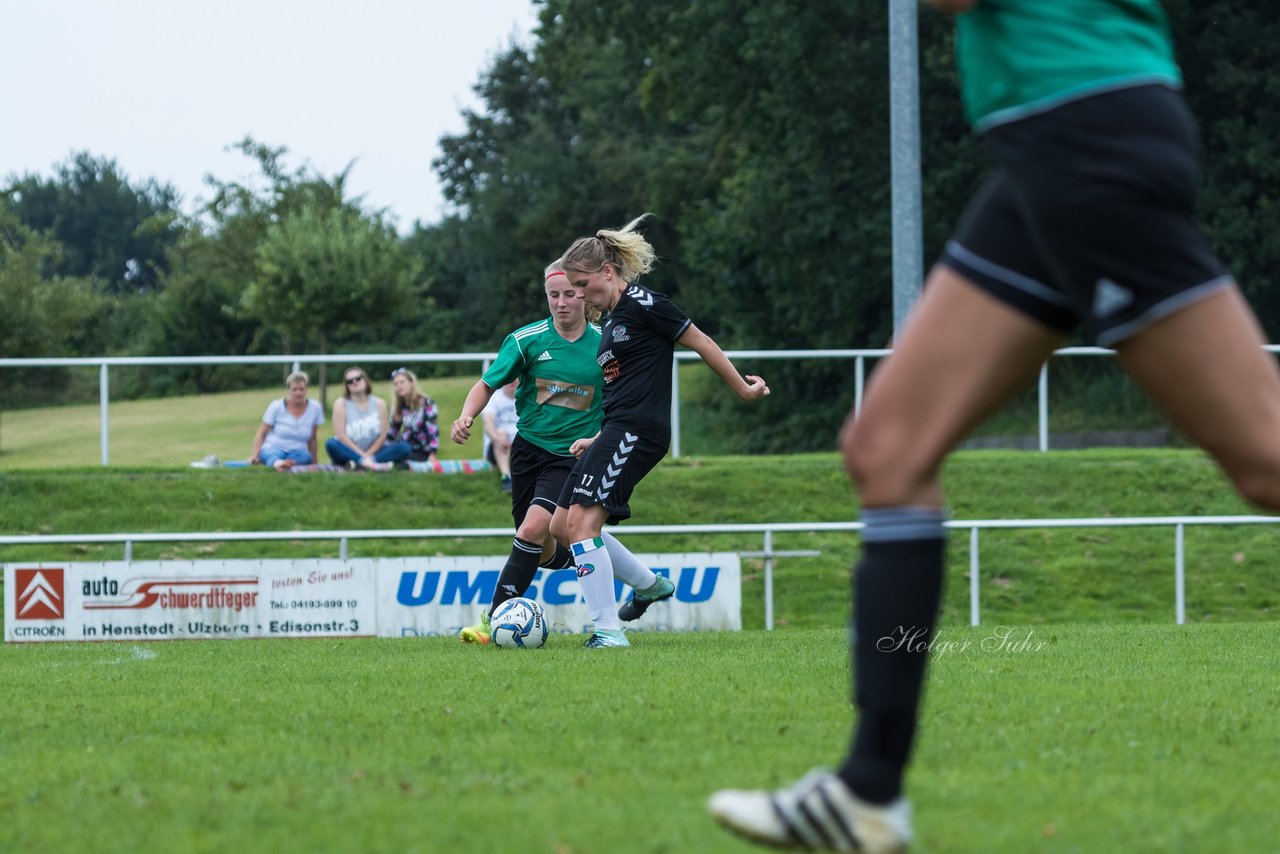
(579,446)
(479,395)
(750,388)
(311,445)
(381,438)
(258,439)
(340,425)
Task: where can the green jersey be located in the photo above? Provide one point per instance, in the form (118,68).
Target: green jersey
(1019,57)
(561,385)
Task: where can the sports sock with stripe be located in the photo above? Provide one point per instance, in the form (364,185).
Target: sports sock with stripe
(897,591)
(626,566)
(595,577)
(517,574)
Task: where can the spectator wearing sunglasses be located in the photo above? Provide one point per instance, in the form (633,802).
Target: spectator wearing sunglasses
(360,427)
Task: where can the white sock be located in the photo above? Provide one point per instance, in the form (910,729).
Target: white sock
(627,566)
(595,577)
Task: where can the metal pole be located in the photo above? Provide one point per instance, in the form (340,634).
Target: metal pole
(675,408)
(104,398)
(973,576)
(768,580)
(128,551)
(859,383)
(342,548)
(1043,394)
(1179,575)
(904,136)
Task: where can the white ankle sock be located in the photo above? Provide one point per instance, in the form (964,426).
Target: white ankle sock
(595,577)
(627,566)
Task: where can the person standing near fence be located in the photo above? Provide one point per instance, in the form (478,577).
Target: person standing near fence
(1089,217)
(637,347)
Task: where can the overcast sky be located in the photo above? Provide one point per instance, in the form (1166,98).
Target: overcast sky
(164,86)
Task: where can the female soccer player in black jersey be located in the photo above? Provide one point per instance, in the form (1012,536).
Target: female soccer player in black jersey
(638,337)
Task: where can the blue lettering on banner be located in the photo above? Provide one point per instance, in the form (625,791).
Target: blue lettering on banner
(684,587)
(559,587)
(458,586)
(553,592)
(419,588)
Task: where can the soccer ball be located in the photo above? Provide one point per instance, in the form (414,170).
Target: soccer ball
(518,624)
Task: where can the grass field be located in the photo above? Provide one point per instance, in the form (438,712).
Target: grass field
(1095,725)
(1068,737)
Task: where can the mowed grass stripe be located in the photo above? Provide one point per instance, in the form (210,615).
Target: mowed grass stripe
(1062,737)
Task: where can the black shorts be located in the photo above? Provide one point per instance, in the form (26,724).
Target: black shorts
(537,477)
(610,470)
(1090,215)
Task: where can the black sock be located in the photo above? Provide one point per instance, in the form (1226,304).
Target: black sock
(518,573)
(562,559)
(897,591)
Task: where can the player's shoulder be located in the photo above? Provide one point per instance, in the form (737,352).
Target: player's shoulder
(532,330)
(529,334)
(645,298)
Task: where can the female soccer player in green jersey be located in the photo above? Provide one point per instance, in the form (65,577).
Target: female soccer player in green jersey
(558,401)
(1088,219)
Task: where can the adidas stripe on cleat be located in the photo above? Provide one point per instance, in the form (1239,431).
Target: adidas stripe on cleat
(818,813)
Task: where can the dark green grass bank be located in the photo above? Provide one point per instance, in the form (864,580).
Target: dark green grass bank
(1028,576)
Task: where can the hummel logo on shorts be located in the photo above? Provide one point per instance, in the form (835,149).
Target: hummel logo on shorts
(1108,298)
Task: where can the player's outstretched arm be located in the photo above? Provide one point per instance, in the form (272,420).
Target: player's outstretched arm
(479,395)
(747,388)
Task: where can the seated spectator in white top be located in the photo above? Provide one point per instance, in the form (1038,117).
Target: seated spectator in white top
(287,435)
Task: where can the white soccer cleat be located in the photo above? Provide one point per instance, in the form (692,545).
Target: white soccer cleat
(818,813)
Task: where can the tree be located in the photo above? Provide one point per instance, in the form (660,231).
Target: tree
(323,271)
(109,229)
(43,315)
(203,308)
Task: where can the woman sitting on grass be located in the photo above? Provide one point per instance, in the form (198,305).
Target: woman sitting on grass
(360,427)
(413,418)
(287,435)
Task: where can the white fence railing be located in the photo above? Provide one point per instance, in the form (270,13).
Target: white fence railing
(859,357)
(767,529)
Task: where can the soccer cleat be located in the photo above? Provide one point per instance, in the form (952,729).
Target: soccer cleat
(818,813)
(479,633)
(634,608)
(606,638)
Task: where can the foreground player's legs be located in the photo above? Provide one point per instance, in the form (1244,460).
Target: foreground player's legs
(1205,369)
(962,355)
